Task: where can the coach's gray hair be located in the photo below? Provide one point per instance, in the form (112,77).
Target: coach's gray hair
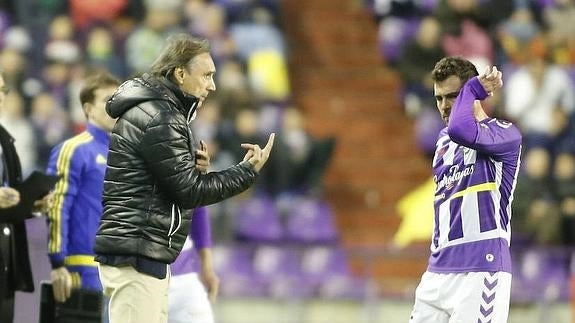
(179,52)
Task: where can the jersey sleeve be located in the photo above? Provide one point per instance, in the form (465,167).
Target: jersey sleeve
(493,137)
(201,230)
(65,160)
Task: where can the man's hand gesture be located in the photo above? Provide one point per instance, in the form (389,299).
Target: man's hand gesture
(258,156)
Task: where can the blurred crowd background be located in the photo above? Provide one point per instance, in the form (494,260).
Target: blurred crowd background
(281,240)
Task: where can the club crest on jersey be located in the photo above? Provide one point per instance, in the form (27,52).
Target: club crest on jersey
(100,159)
(502,123)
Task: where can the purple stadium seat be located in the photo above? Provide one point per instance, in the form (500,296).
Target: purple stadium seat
(280,268)
(394,32)
(310,221)
(326,267)
(233,264)
(540,275)
(258,220)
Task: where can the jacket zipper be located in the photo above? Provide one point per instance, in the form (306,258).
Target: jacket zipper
(173,230)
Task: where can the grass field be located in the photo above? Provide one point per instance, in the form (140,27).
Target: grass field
(319,311)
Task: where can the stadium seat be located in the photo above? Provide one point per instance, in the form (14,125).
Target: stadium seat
(233,264)
(393,33)
(540,275)
(280,268)
(258,220)
(310,221)
(327,268)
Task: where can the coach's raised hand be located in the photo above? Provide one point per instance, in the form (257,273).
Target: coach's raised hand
(258,156)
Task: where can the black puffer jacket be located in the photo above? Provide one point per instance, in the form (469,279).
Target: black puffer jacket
(151,180)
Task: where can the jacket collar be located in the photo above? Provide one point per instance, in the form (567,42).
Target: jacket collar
(186,103)
(99,134)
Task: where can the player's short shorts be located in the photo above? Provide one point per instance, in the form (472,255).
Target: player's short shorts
(462,298)
(188,300)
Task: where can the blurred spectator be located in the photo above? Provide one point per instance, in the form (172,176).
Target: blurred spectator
(419,56)
(17,38)
(14,120)
(469,27)
(485,14)
(86,13)
(240,11)
(33,13)
(472,42)
(561,35)
(402,8)
(258,33)
(515,32)
(564,174)
(414,65)
(540,97)
(208,20)
(100,51)
(14,68)
(61,46)
(56,77)
(465,31)
(536,217)
(398,21)
(51,124)
(300,160)
(234,90)
(144,44)
(208,126)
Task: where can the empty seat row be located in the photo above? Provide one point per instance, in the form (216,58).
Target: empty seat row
(286,272)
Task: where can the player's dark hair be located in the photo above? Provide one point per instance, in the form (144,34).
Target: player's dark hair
(452,65)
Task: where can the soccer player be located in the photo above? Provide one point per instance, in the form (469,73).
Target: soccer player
(468,278)
(75,216)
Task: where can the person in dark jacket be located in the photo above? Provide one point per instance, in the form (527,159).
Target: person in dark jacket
(152,182)
(15,271)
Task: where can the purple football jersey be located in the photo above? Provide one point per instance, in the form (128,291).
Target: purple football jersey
(475,171)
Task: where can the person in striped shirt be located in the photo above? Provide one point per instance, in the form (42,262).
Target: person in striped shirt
(475,167)
(75,215)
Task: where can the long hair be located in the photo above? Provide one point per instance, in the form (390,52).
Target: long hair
(179,52)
